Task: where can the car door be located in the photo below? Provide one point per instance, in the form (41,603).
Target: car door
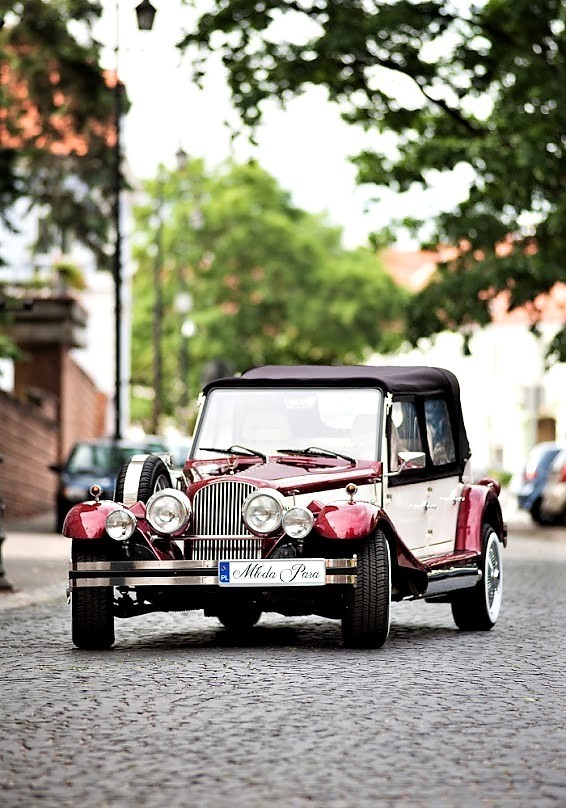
(422,493)
(406,489)
(444,487)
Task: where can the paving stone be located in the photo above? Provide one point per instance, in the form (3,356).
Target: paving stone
(183,713)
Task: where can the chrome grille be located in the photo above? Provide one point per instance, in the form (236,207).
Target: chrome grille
(217,509)
(216,549)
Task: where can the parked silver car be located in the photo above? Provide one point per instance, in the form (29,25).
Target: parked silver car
(553,504)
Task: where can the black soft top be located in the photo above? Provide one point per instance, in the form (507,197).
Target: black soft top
(415,380)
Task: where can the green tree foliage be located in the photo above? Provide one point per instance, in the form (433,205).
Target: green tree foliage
(56,121)
(270,283)
(481,86)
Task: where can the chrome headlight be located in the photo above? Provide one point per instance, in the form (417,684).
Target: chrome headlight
(297,522)
(263,511)
(168,511)
(120,524)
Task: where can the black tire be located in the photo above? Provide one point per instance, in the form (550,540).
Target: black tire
(139,479)
(537,515)
(240,618)
(477,608)
(92,609)
(366,618)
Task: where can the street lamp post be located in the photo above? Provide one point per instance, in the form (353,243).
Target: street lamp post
(145,13)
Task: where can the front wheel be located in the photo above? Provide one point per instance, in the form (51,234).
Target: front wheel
(477,609)
(92,608)
(366,618)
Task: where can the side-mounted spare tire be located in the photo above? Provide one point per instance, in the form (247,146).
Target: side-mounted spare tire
(139,478)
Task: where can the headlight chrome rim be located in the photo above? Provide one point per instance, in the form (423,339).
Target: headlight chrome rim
(297,522)
(171,521)
(252,515)
(120,524)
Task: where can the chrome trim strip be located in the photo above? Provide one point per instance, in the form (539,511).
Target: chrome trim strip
(126,566)
(441,582)
(341,562)
(181,565)
(185,573)
(192,580)
(114,580)
(341,579)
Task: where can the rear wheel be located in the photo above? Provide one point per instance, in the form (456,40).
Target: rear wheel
(92,608)
(139,478)
(366,618)
(537,514)
(477,609)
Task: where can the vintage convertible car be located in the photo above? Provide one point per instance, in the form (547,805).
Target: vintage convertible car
(308,490)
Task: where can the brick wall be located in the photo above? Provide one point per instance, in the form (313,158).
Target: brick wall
(83,407)
(54,403)
(37,432)
(28,444)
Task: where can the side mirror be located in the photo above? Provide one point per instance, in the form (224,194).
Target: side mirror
(411,460)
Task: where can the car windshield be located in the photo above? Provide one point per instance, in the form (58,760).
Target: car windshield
(88,457)
(268,420)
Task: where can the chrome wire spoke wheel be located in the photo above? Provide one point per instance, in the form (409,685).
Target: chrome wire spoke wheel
(477,608)
(493,576)
(162,482)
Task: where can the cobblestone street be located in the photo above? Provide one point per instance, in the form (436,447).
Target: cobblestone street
(182,713)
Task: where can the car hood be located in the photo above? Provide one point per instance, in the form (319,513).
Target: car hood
(286,474)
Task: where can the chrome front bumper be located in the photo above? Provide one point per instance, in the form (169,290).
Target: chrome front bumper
(177,573)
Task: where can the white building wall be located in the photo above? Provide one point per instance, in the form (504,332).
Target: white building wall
(505,389)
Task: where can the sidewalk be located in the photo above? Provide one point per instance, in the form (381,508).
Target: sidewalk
(35,560)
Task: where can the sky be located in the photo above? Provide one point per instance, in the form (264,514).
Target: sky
(306,147)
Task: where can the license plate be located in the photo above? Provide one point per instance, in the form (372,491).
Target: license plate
(272,572)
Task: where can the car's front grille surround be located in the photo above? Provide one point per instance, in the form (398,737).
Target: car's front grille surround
(217,509)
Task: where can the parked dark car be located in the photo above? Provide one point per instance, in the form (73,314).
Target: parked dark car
(320,490)
(529,495)
(553,506)
(95,461)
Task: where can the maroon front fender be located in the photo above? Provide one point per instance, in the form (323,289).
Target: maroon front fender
(346,520)
(87,520)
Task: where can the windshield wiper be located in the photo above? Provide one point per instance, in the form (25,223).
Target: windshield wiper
(316,451)
(236,449)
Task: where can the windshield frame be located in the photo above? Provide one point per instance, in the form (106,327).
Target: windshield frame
(299,442)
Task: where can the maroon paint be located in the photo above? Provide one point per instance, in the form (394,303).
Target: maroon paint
(287,474)
(471,514)
(347,520)
(87,520)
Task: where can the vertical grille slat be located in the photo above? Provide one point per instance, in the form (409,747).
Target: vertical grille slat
(217,512)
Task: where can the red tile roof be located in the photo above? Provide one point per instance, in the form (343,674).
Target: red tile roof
(59,136)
